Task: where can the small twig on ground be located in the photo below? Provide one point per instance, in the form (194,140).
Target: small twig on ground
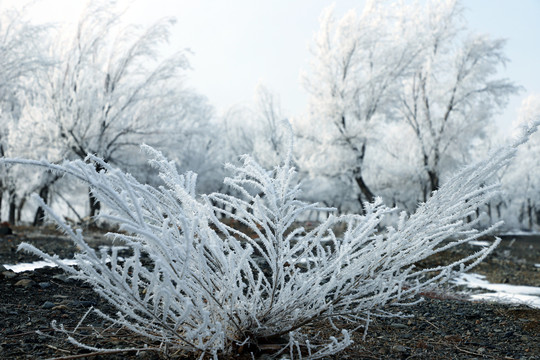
(33,332)
(58,349)
(432,324)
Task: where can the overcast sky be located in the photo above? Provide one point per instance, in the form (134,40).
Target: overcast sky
(238,43)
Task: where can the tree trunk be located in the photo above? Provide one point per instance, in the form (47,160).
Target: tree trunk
(357,172)
(359,179)
(433,180)
(370,197)
(20,207)
(12,210)
(530,213)
(498,208)
(430,167)
(95,205)
(40,212)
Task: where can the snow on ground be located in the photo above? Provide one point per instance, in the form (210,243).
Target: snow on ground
(44,263)
(520,233)
(37,265)
(479,243)
(505,293)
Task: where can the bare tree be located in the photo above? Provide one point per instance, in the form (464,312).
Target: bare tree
(31,137)
(451,95)
(256,128)
(22,59)
(521,180)
(357,63)
(110,92)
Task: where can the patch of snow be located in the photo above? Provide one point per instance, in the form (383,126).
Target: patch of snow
(108,248)
(37,265)
(479,243)
(506,293)
(531,300)
(70,262)
(520,233)
(537,265)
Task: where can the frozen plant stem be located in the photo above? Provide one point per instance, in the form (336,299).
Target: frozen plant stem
(209,287)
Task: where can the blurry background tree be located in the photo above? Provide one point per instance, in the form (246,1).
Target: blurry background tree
(394,166)
(32,137)
(411,64)
(256,128)
(451,93)
(521,181)
(357,62)
(110,92)
(23,57)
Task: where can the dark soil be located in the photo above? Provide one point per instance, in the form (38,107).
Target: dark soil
(444,326)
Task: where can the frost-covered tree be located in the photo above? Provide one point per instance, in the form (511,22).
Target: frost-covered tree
(253,128)
(452,92)
(410,62)
(521,181)
(196,284)
(31,137)
(394,166)
(22,59)
(256,128)
(112,91)
(357,62)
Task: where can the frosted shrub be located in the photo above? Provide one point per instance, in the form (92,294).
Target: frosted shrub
(208,288)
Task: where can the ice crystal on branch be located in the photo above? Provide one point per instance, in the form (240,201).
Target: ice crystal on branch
(206,286)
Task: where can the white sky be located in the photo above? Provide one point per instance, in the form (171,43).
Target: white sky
(238,43)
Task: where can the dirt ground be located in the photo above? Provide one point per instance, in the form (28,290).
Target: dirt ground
(445,326)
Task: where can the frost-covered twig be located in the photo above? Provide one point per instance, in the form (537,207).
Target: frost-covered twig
(209,287)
